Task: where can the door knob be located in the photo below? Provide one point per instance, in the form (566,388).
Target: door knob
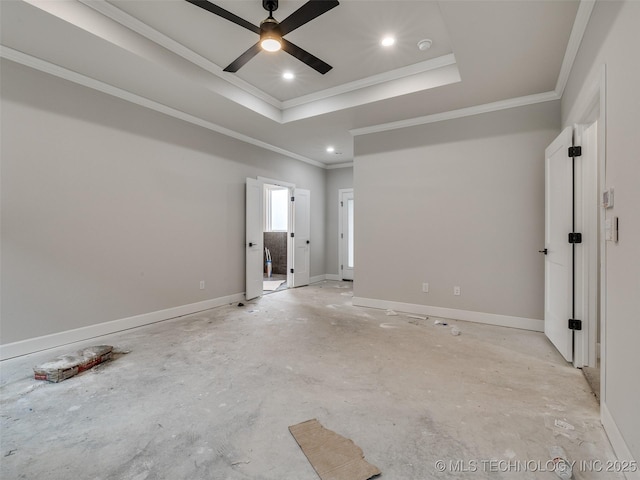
(308,242)
(545,251)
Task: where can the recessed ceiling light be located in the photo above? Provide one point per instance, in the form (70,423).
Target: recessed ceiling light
(388,41)
(288,75)
(331,149)
(425,44)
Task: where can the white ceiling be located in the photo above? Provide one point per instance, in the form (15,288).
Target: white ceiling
(169,55)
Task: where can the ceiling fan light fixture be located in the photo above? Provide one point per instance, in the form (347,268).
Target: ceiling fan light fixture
(270,35)
(271,44)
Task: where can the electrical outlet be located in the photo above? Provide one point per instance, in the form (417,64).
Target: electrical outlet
(425,287)
(201,284)
(456,290)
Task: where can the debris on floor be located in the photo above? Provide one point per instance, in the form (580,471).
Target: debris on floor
(391,313)
(332,456)
(561,466)
(66,366)
(561,427)
(455,331)
(417,317)
(388,325)
(437,321)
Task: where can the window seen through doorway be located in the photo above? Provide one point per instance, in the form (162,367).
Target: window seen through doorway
(276,209)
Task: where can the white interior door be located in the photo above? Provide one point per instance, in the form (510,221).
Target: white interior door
(302,237)
(254,238)
(558,260)
(346,234)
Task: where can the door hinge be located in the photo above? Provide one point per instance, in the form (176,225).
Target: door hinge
(342,204)
(575,324)
(341,267)
(291,270)
(575,151)
(575,237)
(293,199)
(342,235)
(293,234)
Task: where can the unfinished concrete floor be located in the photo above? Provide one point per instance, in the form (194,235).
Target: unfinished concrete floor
(210,396)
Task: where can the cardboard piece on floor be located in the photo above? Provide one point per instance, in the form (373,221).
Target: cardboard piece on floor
(66,366)
(332,456)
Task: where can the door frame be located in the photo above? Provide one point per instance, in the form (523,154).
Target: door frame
(587,258)
(341,239)
(590,106)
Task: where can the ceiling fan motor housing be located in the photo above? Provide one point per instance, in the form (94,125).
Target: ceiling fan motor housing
(270,5)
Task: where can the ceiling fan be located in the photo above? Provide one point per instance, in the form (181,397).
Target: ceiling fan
(272,32)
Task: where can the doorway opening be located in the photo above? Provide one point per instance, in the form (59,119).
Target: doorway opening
(346,250)
(298,233)
(276,223)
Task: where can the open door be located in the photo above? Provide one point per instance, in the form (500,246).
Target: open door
(253,238)
(301,237)
(558,294)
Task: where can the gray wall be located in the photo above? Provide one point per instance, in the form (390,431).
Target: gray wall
(612,38)
(110,210)
(459,202)
(337,179)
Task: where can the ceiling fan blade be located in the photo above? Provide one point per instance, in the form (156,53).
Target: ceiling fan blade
(221,12)
(244,58)
(305,57)
(306,13)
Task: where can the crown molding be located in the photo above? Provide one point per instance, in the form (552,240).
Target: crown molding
(575,39)
(462,112)
(335,166)
(61,72)
(385,77)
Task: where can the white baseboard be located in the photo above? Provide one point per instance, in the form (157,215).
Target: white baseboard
(53,340)
(616,439)
(327,276)
(467,315)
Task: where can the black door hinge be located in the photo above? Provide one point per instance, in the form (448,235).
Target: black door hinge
(293,234)
(293,199)
(575,324)
(575,151)
(575,237)
(342,204)
(291,270)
